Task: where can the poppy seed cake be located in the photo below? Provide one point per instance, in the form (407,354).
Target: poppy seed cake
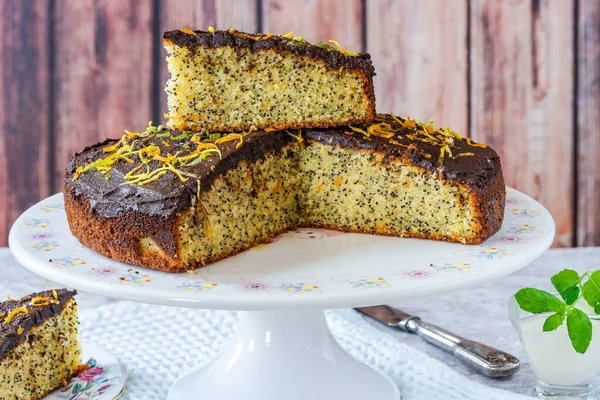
(230,81)
(175,201)
(39,347)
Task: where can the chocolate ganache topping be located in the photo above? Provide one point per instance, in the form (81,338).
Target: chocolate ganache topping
(19,316)
(334,57)
(195,160)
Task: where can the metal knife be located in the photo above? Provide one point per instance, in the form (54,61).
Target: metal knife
(485,359)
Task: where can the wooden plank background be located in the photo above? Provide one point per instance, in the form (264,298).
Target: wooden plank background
(520,75)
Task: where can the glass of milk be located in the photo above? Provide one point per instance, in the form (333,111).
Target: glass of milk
(563,373)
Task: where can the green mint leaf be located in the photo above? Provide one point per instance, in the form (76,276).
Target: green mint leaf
(580,330)
(566,282)
(538,301)
(553,322)
(591,290)
(597,309)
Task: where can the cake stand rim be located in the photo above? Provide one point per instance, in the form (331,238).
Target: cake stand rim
(249,303)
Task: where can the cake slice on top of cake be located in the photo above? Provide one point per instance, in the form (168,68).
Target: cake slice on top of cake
(230,81)
(39,347)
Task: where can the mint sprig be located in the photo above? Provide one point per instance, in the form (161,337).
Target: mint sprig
(571,287)
(567,284)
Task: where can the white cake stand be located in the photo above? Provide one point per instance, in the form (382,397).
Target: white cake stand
(283,347)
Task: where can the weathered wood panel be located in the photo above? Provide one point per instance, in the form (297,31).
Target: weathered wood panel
(193,14)
(419,49)
(522,97)
(103,72)
(317,20)
(103,65)
(24,96)
(588,124)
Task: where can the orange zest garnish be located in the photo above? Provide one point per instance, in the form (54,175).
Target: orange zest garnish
(298,137)
(343,50)
(42,301)
(231,136)
(392,141)
(14,313)
(398,120)
(288,35)
(468,140)
(382,129)
(114,147)
(355,129)
(20,330)
(188,31)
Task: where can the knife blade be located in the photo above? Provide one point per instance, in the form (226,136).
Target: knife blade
(485,359)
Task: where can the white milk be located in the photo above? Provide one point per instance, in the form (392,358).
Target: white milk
(551,354)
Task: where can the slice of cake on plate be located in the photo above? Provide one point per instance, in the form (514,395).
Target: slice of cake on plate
(39,347)
(174,201)
(230,81)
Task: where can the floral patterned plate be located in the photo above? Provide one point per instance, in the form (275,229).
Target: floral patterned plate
(301,269)
(104,379)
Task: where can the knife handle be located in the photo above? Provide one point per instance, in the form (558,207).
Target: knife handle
(485,359)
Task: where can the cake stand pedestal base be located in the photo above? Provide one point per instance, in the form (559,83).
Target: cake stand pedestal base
(288,355)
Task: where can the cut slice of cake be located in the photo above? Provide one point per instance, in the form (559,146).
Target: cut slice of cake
(39,347)
(175,201)
(230,81)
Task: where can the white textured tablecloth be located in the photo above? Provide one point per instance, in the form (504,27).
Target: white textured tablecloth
(133,331)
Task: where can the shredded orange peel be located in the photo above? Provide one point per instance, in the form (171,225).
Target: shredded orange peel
(42,301)
(134,145)
(298,137)
(343,50)
(231,136)
(419,131)
(11,315)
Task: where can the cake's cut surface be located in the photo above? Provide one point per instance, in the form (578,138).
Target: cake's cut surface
(197,200)
(39,347)
(229,81)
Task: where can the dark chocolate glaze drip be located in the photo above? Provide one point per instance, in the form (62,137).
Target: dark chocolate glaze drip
(9,333)
(333,58)
(169,195)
